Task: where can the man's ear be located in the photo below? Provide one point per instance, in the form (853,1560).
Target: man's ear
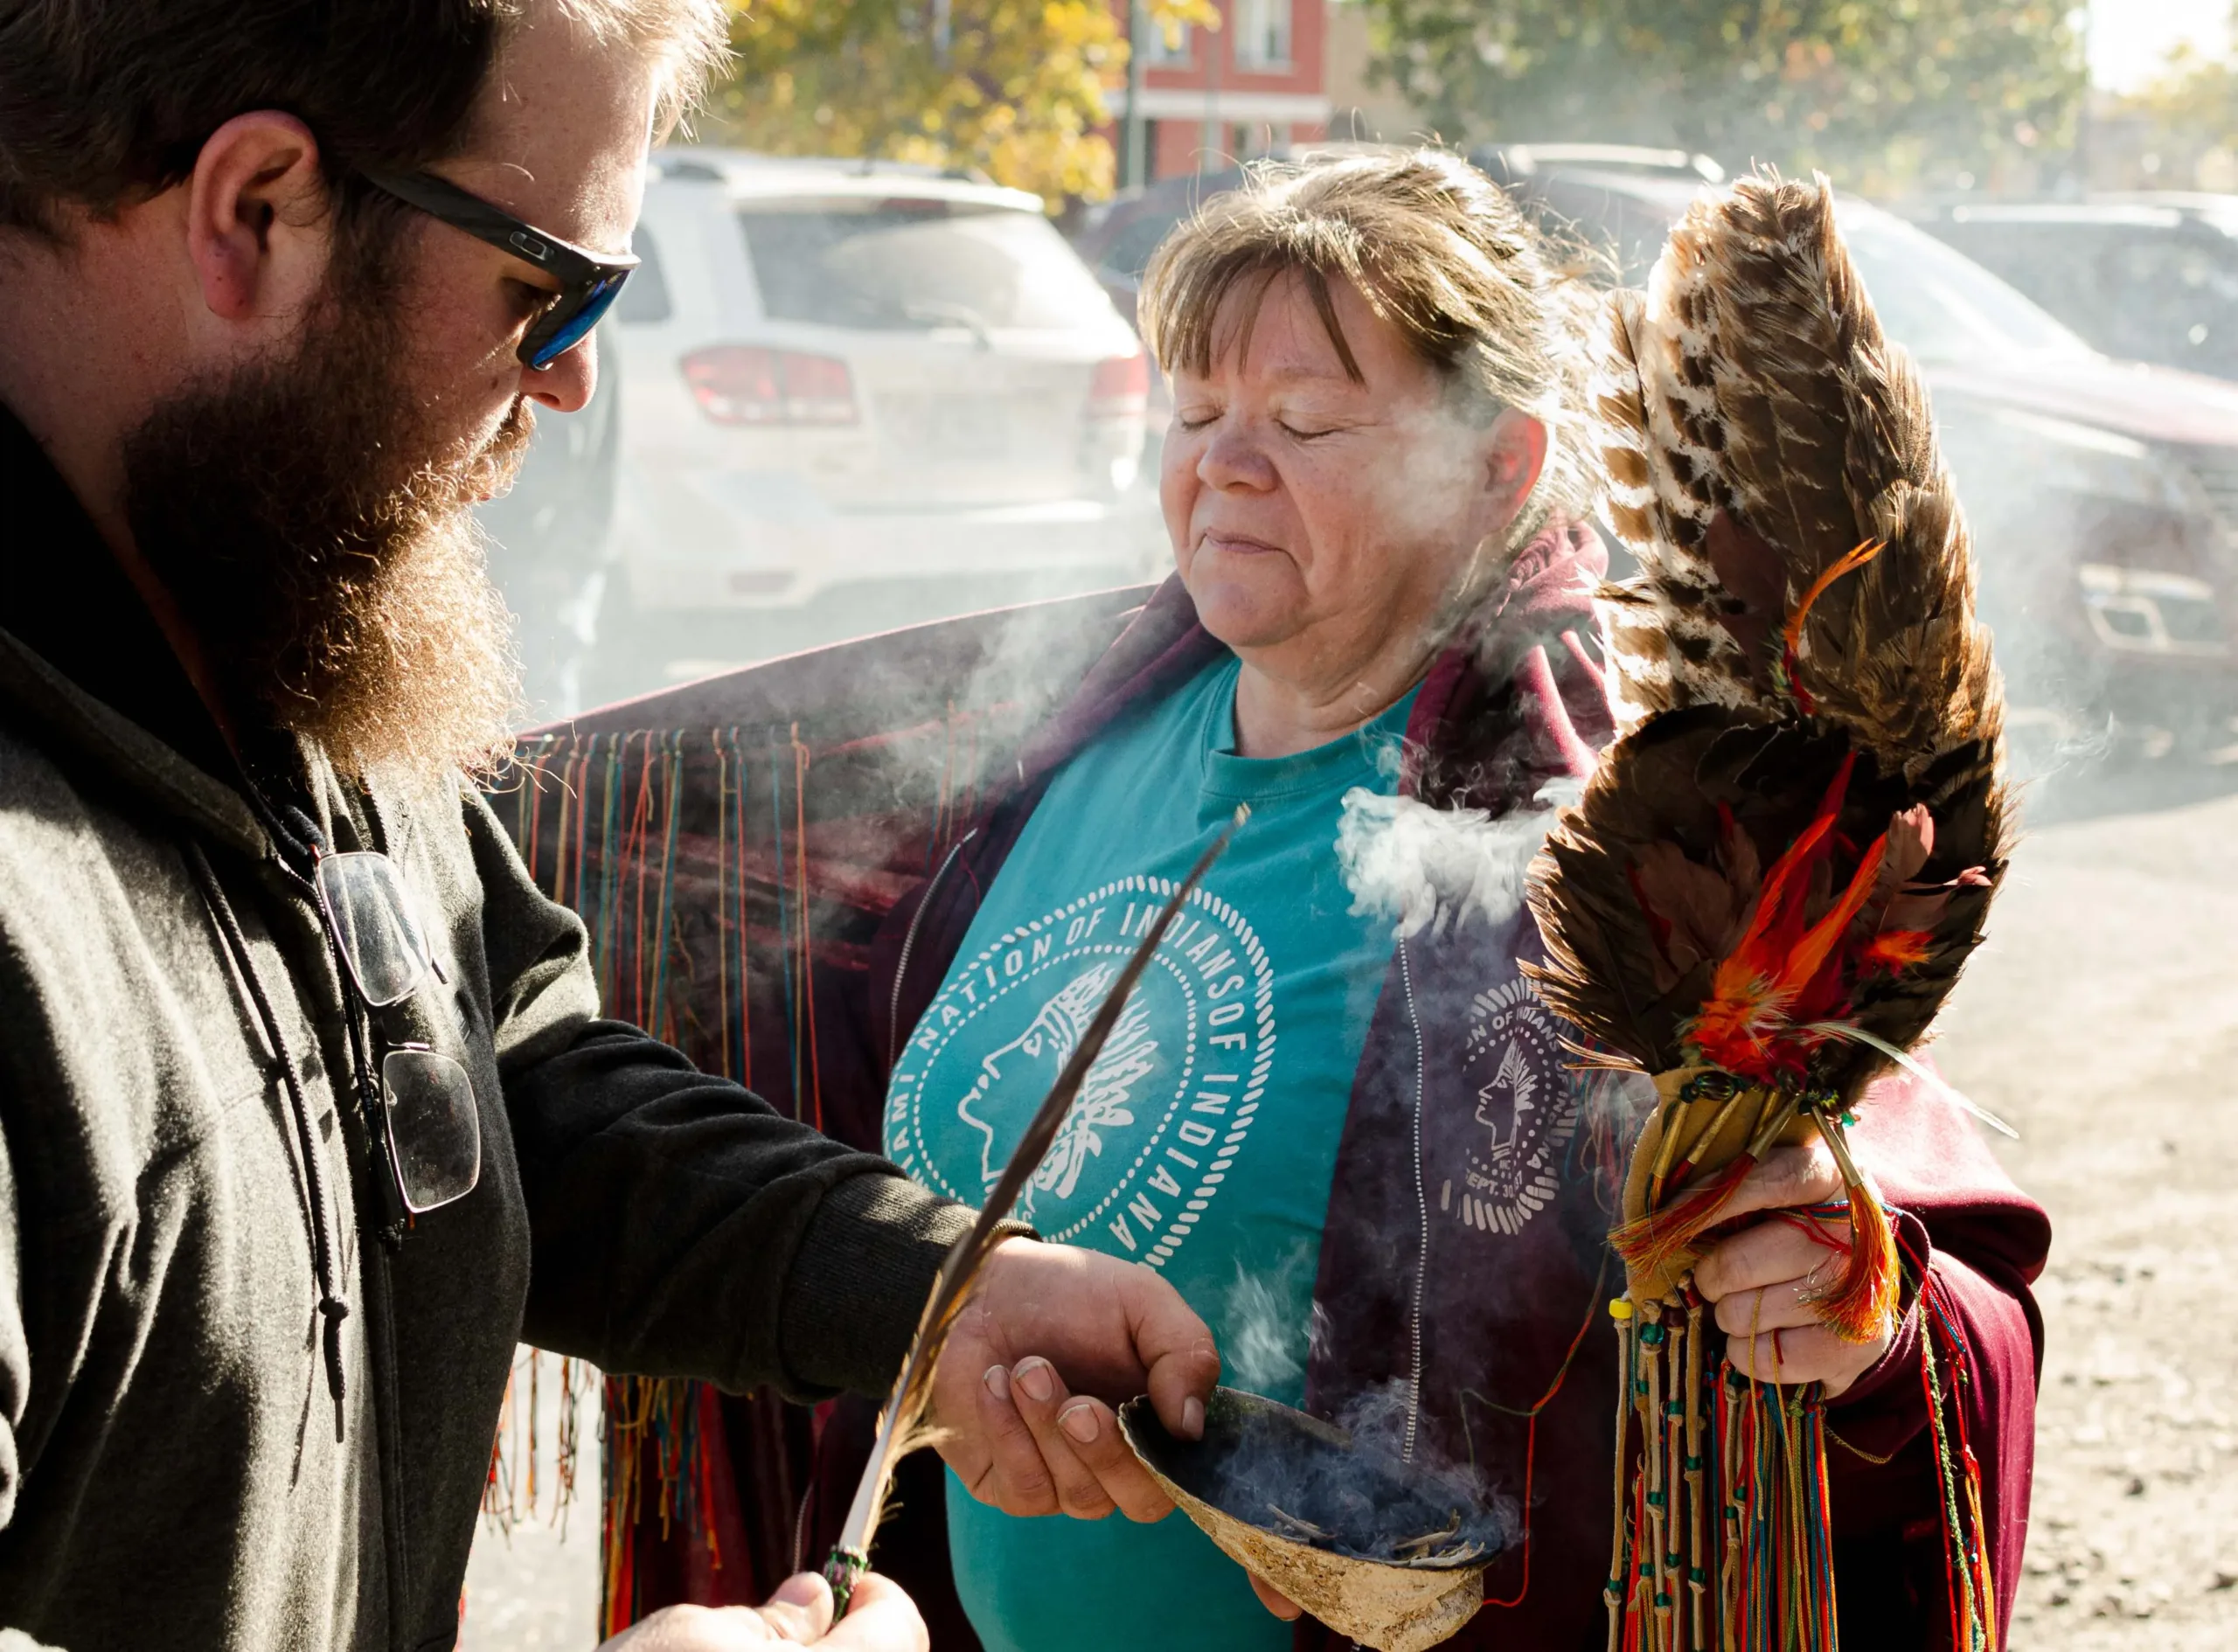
(258,228)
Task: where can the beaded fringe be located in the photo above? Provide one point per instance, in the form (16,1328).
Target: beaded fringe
(1722,1543)
(1723,1538)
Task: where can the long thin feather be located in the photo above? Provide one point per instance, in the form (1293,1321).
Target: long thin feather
(1925,1074)
(903,1428)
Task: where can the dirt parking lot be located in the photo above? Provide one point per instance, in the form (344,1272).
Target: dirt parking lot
(2103,1021)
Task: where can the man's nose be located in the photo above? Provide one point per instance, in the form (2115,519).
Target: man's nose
(567,384)
(1233,458)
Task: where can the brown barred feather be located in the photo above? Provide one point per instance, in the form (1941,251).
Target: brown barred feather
(1753,381)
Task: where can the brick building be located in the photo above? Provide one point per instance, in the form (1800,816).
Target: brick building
(1256,84)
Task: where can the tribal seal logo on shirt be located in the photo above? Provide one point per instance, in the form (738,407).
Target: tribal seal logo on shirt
(1527,1110)
(1166,1107)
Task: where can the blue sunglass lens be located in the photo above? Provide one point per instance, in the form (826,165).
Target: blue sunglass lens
(571,331)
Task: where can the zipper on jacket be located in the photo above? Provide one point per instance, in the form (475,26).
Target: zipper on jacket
(909,946)
(388,1408)
(1422,1212)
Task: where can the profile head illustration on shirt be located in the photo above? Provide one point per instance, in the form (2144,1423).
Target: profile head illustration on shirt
(1518,1081)
(1014,1077)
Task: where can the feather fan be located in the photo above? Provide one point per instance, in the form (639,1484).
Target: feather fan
(905,1423)
(1776,875)
(1806,598)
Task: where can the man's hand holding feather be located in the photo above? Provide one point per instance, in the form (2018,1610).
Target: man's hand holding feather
(1764,1280)
(1053,1338)
(879,1619)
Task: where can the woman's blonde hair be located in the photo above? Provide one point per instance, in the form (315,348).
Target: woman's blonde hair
(1438,250)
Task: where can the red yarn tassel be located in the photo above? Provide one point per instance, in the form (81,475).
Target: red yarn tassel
(1659,1241)
(1863,1305)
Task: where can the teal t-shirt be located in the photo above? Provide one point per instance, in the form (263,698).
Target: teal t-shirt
(1204,1139)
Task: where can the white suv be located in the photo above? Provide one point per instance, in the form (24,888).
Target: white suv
(856,395)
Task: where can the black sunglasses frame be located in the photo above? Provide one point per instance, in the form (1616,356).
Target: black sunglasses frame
(585,277)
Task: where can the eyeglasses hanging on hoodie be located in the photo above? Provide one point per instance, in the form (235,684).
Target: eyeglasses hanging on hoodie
(431,1135)
(424,1117)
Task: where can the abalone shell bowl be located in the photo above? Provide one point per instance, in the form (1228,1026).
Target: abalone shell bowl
(1389,1555)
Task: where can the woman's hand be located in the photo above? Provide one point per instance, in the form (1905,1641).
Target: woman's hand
(1760,1277)
(879,1619)
(1032,1442)
(1273,1600)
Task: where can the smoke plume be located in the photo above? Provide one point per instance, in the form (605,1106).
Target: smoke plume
(1435,868)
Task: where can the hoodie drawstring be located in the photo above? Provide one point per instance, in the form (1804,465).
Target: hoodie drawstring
(333,1309)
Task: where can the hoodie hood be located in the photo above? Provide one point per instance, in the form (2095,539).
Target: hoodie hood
(1542,597)
(83,662)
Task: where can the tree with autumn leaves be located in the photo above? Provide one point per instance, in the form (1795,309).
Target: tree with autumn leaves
(2182,125)
(1884,94)
(1013,88)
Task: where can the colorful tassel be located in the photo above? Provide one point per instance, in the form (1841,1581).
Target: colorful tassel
(694,885)
(1863,1304)
(1723,1534)
(1661,1241)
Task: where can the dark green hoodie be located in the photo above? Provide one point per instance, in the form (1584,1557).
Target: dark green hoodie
(188,1459)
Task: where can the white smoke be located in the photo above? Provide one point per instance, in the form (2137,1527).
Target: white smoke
(1428,868)
(1260,1353)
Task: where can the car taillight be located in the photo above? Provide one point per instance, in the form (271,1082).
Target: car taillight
(751,384)
(1120,387)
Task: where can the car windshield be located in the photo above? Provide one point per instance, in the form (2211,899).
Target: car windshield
(1934,301)
(916,262)
(1939,304)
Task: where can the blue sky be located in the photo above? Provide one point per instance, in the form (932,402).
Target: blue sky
(2129,39)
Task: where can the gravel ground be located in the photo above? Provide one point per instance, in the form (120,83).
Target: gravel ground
(2102,1019)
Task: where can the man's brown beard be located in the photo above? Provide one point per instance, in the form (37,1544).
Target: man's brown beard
(321,549)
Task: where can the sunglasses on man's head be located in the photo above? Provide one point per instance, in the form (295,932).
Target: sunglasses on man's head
(588,281)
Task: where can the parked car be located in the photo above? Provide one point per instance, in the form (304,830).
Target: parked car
(859,395)
(549,540)
(1117,237)
(2104,494)
(2149,277)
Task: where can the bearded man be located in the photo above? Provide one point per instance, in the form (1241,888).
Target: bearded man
(306,1110)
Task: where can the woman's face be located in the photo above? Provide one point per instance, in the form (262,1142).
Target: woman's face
(1319,522)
